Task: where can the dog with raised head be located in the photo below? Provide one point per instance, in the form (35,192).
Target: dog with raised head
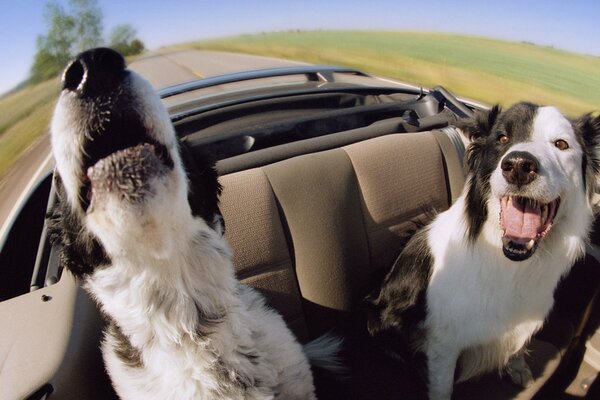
(148,246)
(471,288)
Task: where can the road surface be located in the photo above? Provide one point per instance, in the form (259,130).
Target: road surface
(162,69)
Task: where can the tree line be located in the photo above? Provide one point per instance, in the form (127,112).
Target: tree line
(73,30)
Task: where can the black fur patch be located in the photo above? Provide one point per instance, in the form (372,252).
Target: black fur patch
(80,250)
(124,350)
(204,189)
(587,130)
(394,311)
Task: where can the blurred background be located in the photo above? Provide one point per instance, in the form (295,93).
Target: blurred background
(489,51)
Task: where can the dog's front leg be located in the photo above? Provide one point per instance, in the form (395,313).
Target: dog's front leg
(441,363)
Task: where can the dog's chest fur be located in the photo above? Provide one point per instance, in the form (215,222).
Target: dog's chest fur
(490,296)
(161,322)
(170,344)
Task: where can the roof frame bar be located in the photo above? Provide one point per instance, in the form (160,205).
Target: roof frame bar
(320,73)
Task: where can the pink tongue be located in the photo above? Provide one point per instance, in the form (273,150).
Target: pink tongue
(522,222)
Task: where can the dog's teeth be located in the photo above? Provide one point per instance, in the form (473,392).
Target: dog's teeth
(530,244)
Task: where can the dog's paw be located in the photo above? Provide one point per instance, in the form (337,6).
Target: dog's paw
(519,372)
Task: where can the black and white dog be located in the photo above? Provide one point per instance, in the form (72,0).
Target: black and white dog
(151,252)
(471,288)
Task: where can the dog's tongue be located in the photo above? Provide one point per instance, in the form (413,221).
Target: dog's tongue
(521,220)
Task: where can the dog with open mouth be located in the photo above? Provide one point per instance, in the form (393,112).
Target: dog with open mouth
(471,288)
(149,247)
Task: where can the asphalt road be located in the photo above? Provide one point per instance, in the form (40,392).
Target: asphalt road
(161,69)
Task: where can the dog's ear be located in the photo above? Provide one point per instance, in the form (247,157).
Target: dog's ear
(588,128)
(481,124)
(477,129)
(204,186)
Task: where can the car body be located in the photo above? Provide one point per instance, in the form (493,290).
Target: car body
(281,137)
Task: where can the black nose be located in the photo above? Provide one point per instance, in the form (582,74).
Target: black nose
(94,71)
(520,168)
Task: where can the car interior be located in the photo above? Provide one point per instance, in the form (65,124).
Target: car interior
(319,195)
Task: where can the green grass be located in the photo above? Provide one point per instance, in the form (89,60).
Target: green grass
(491,71)
(20,136)
(25,102)
(24,117)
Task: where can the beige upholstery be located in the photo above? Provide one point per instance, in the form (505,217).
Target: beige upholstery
(260,252)
(453,160)
(401,177)
(319,201)
(255,232)
(329,219)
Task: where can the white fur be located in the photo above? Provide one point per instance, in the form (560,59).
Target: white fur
(168,270)
(192,271)
(481,306)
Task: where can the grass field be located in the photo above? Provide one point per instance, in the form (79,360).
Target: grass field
(486,70)
(24,117)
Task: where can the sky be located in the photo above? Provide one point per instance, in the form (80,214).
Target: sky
(570,25)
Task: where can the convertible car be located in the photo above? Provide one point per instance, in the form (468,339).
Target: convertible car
(324,171)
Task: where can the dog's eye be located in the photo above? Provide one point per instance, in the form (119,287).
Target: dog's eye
(561,144)
(503,139)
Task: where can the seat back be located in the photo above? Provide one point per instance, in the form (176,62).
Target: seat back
(312,230)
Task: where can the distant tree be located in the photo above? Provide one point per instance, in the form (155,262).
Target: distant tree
(53,49)
(123,39)
(73,31)
(68,34)
(45,66)
(137,46)
(88,24)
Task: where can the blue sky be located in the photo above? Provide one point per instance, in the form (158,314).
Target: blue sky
(571,25)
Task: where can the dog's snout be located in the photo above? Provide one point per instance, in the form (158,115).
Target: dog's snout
(520,168)
(94,71)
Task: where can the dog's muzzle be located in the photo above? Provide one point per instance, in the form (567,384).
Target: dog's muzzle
(118,154)
(525,222)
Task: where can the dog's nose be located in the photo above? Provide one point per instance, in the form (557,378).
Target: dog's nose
(520,167)
(94,71)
